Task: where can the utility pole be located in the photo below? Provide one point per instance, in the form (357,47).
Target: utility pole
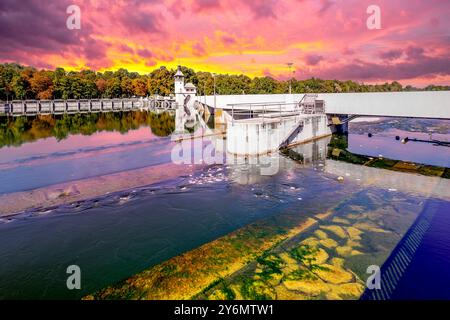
(204,91)
(214,77)
(290,64)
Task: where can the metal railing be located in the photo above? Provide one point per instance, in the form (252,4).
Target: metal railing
(307,105)
(261,110)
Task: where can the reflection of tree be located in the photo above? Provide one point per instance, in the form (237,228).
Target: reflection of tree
(162,124)
(338,141)
(16,131)
(337,150)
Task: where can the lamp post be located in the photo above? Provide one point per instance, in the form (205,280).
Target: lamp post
(290,64)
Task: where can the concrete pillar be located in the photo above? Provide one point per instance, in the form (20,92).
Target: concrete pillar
(342,128)
(338,123)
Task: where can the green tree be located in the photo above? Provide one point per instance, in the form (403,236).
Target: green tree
(161,82)
(126,87)
(113,88)
(260,85)
(20,86)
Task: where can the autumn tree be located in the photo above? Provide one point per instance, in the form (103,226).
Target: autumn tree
(126,87)
(139,87)
(41,84)
(100,83)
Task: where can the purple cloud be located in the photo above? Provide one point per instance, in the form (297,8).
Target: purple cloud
(369,71)
(201,5)
(414,52)
(313,59)
(30,28)
(262,9)
(125,48)
(145,53)
(390,54)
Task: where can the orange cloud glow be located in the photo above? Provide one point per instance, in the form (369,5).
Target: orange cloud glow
(323,38)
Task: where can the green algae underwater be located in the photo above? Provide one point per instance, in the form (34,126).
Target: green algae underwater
(292,256)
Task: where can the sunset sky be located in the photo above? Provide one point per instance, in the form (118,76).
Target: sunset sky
(323,38)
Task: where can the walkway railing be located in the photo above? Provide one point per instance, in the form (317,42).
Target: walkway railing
(307,105)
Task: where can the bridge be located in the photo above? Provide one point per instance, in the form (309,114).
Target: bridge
(59,107)
(258,124)
(420,104)
(416,104)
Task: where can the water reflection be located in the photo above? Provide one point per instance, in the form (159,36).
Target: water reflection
(387,146)
(427,159)
(69,148)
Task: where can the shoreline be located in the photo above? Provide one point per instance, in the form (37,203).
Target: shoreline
(366,119)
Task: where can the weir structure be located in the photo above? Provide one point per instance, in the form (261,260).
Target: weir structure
(258,124)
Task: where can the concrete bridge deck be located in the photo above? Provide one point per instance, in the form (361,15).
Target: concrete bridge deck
(59,107)
(419,104)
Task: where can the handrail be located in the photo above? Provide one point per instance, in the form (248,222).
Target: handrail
(268,110)
(292,134)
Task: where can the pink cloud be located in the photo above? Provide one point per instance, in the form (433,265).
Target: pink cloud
(201,5)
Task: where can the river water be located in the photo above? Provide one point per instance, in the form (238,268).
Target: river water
(122,233)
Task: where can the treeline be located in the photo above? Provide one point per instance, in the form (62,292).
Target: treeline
(20,82)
